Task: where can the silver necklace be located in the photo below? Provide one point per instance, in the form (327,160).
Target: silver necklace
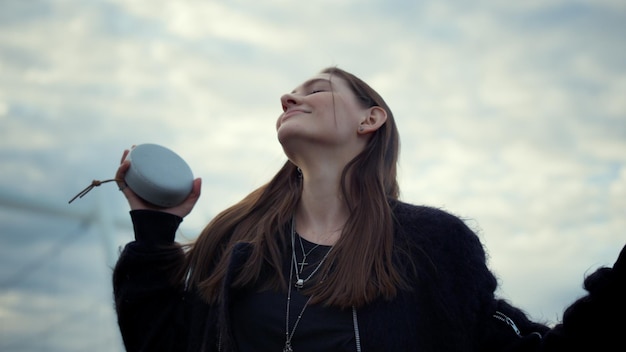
(299,284)
(300,281)
(288,335)
(305,254)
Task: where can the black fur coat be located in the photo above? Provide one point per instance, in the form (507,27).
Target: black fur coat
(451,306)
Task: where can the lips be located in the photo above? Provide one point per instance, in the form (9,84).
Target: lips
(289,113)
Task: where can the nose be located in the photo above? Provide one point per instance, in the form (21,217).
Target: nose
(288,100)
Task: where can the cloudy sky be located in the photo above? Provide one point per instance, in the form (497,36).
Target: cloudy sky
(512,115)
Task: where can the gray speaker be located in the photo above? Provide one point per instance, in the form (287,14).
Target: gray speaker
(158,175)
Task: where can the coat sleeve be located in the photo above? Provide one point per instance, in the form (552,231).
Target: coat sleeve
(594,322)
(150,305)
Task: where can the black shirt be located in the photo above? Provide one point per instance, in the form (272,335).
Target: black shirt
(259,318)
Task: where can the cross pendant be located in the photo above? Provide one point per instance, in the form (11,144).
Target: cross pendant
(302,264)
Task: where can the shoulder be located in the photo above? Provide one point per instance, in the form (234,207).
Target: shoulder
(435,231)
(425,218)
(443,248)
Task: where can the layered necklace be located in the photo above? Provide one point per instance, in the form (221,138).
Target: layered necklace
(297,268)
(305,254)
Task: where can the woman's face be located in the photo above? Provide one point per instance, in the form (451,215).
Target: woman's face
(322,113)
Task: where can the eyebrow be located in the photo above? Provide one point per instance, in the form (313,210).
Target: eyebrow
(311,82)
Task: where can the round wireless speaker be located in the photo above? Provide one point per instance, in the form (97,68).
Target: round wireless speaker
(158,175)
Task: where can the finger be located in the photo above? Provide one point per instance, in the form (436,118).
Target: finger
(124,155)
(122,169)
(193,196)
(197,187)
(120,175)
(187,206)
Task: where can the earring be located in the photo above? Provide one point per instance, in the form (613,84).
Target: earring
(299,172)
(360,128)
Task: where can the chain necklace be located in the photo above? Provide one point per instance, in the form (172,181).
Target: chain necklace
(288,335)
(299,284)
(300,281)
(305,254)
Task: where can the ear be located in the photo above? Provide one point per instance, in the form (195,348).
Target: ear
(375,118)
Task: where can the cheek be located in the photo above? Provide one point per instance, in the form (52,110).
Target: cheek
(345,110)
(347,118)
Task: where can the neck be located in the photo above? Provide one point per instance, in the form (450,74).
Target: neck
(321,213)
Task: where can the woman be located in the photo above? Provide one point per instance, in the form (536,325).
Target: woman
(324,257)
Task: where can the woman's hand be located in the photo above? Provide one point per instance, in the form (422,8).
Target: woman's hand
(136,203)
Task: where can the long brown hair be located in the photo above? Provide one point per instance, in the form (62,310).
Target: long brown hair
(359,268)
